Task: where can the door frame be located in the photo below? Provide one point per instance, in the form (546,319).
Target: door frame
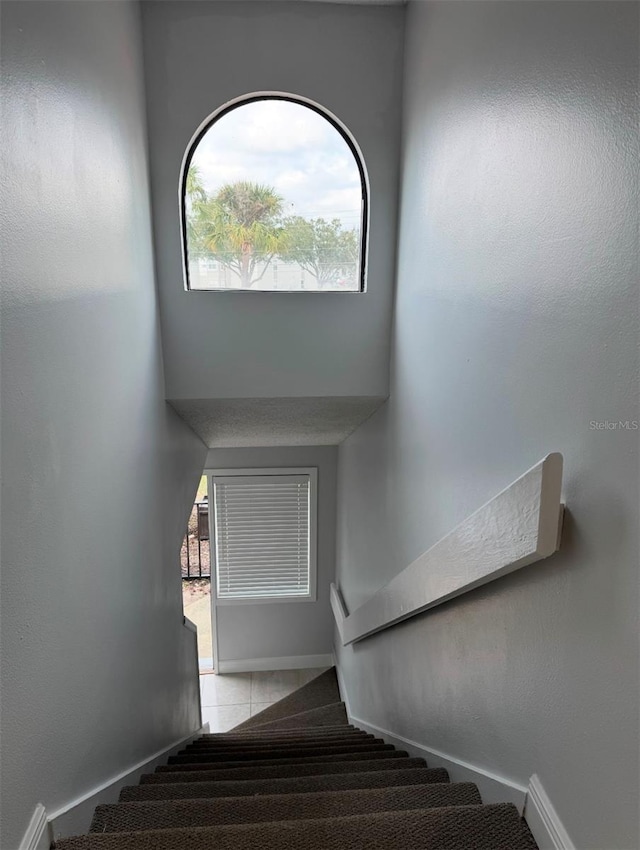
(209,473)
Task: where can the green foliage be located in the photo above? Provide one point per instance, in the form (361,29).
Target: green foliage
(196,196)
(242,227)
(195,189)
(321,247)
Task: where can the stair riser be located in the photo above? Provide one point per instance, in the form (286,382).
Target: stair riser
(278,752)
(308,731)
(262,744)
(227,765)
(266,741)
(329,740)
(495,827)
(295,785)
(240,773)
(142,816)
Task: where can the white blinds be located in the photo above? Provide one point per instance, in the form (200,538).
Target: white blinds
(262,536)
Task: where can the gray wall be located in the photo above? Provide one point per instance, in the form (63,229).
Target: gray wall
(198,56)
(97,472)
(276,629)
(515,328)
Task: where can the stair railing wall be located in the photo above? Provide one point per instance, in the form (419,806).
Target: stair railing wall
(519,526)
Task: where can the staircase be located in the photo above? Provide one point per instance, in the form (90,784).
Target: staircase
(297,776)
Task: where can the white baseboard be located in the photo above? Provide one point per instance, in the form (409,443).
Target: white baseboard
(37,836)
(75,817)
(543,821)
(287,662)
(493,787)
(342,685)
(532,802)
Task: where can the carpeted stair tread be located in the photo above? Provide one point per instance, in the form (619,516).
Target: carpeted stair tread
(288,746)
(278,771)
(321,691)
(172,814)
(265,743)
(225,765)
(195,756)
(252,734)
(326,715)
(283,785)
(287,752)
(302,734)
(298,776)
(492,827)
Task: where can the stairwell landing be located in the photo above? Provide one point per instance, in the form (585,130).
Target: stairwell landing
(298,776)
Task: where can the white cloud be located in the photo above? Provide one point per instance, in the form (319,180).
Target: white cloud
(290,147)
(279,126)
(344,199)
(291,181)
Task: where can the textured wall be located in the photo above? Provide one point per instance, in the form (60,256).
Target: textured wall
(241,422)
(275,630)
(97,472)
(515,329)
(198,56)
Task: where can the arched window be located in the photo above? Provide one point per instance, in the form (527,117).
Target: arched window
(274,199)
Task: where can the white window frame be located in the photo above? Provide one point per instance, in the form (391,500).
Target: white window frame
(312,472)
(342,129)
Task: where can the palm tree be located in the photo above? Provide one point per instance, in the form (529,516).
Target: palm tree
(195,189)
(195,197)
(241,226)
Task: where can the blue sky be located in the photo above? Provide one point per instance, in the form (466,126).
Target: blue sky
(289,147)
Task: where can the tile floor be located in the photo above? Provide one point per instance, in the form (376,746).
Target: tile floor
(231,698)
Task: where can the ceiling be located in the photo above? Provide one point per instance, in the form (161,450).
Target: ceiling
(243,422)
